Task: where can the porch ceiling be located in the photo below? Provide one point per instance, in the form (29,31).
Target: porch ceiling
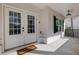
(59,7)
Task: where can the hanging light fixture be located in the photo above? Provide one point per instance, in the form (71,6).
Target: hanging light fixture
(68,13)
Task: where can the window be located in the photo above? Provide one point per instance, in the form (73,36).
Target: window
(58,24)
(31,24)
(14,23)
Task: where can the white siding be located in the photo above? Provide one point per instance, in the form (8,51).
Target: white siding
(76,22)
(47,26)
(0,22)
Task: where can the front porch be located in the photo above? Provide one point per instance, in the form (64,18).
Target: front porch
(64,46)
(44,26)
(45,49)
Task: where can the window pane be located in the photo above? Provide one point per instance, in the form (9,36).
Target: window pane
(15,26)
(15,20)
(31,28)
(30,21)
(14,23)
(19,26)
(28,31)
(29,17)
(10,31)
(33,17)
(19,31)
(10,19)
(11,25)
(19,15)
(31,31)
(15,14)
(19,20)
(15,31)
(33,22)
(10,13)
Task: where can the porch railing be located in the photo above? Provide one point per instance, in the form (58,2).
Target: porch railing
(70,33)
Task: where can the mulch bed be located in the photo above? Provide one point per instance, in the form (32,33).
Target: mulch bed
(26,50)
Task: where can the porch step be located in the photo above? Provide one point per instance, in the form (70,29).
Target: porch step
(52,47)
(48,40)
(53,38)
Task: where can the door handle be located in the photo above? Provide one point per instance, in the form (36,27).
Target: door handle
(22,27)
(23,30)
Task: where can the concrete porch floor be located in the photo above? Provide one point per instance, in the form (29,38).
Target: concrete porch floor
(64,46)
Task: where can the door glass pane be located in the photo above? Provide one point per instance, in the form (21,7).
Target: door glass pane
(30,21)
(10,13)
(15,20)
(10,19)
(19,15)
(15,14)
(19,20)
(31,28)
(19,26)
(15,31)
(19,31)
(15,26)
(10,31)
(14,23)
(11,25)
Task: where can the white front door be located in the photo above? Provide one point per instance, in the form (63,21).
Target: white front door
(20,28)
(14,28)
(30,28)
